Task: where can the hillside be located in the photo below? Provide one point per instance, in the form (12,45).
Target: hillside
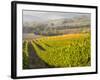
(57,26)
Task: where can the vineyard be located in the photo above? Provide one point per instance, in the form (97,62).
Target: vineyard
(70,50)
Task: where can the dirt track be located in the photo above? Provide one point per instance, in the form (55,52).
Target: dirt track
(30,36)
(34,60)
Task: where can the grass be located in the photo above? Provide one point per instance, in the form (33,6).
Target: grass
(25,55)
(71,50)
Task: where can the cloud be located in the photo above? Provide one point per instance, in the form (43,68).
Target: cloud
(41,15)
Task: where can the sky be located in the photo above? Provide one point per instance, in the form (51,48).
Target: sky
(29,15)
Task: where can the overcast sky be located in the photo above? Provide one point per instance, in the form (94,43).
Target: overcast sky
(29,16)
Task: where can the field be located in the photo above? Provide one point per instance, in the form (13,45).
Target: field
(68,50)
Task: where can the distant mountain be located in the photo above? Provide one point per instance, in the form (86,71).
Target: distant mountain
(30,18)
(56,25)
(78,21)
